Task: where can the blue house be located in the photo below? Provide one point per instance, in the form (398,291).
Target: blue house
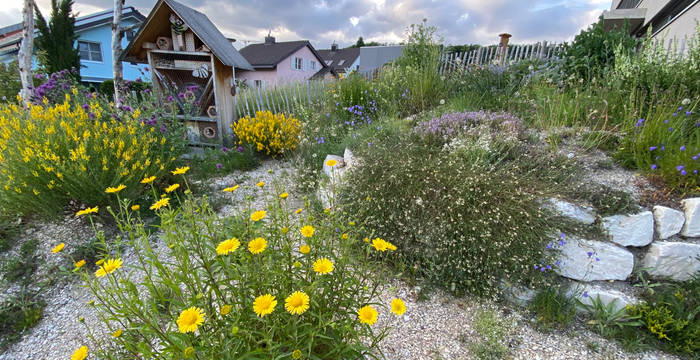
(94,45)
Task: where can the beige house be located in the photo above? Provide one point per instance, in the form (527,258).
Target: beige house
(668,19)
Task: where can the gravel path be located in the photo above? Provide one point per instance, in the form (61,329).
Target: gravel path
(438,328)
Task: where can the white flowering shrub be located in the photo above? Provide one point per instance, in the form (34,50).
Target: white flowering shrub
(461,219)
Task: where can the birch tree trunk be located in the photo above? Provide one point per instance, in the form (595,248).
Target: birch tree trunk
(117,34)
(26,50)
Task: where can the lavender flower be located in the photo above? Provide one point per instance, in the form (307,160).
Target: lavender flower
(219,166)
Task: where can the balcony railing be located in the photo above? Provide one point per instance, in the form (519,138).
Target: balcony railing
(628,4)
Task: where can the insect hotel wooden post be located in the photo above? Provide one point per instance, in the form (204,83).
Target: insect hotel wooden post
(192,68)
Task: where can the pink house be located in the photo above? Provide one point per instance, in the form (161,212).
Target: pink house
(280,62)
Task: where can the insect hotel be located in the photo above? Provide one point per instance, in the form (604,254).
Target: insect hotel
(192,68)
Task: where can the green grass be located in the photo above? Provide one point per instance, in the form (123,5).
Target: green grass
(20,267)
(492,332)
(552,308)
(19,313)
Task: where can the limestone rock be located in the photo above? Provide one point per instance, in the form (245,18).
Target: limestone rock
(349,158)
(590,260)
(333,171)
(517,294)
(630,230)
(692,217)
(673,260)
(575,212)
(586,293)
(668,221)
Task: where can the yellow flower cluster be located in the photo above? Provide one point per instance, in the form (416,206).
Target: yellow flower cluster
(270,133)
(57,151)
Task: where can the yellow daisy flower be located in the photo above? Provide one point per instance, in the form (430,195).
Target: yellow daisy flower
(190,319)
(345,236)
(189,352)
(307,231)
(297,303)
(304,249)
(117,333)
(80,354)
(257,245)
(298,211)
(172,188)
(296,354)
(135,207)
(264,305)
(260,184)
(58,248)
(87,211)
(148,180)
(112,190)
(258,215)
(398,307)
(331,162)
(231,189)
(284,195)
(160,203)
(323,266)
(109,267)
(367,315)
(225,310)
(180,170)
(228,246)
(80,264)
(382,245)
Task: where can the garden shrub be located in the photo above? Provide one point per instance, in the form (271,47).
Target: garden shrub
(19,312)
(666,143)
(461,216)
(272,134)
(266,283)
(52,154)
(592,53)
(672,315)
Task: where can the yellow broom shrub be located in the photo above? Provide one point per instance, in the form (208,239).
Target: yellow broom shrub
(269,133)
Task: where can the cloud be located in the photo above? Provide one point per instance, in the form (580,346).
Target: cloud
(343,21)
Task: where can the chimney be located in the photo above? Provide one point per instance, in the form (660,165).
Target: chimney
(334,47)
(269,39)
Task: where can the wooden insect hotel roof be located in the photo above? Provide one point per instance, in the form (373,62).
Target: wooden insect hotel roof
(192,68)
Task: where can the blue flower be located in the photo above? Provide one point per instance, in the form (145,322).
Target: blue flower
(585,294)
(590,254)
(680,167)
(683,172)
(652,148)
(683,148)
(654,167)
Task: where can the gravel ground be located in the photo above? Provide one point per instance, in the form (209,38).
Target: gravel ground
(442,328)
(437,328)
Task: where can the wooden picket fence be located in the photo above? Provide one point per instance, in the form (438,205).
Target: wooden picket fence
(494,54)
(285,98)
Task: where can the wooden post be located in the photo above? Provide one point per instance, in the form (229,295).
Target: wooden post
(117,34)
(25,50)
(504,45)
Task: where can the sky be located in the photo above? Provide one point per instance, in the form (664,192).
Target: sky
(386,21)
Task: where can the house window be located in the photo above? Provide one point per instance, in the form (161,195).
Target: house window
(298,63)
(90,51)
(313,65)
(329,62)
(341,62)
(130,35)
(259,83)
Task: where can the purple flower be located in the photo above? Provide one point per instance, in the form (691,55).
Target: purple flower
(86,107)
(549,246)
(675,113)
(687,113)
(379,127)
(680,108)
(670,129)
(680,167)
(683,172)
(695,157)
(683,148)
(147,91)
(597,259)
(181,95)
(170,98)
(162,128)
(219,166)
(695,171)
(240,149)
(665,121)
(652,148)
(224,149)
(640,122)
(585,294)
(654,167)
(590,254)
(558,263)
